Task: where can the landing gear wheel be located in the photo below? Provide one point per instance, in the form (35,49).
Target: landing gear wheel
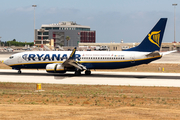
(88,72)
(78,72)
(19,71)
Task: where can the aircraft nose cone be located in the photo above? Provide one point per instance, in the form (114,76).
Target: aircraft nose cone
(5,62)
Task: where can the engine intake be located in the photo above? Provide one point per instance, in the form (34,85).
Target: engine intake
(55,68)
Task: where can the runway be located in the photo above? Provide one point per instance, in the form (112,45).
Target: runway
(97,78)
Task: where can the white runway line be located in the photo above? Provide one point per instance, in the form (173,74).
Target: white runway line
(97,78)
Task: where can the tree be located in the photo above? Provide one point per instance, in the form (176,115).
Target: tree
(67,38)
(14,40)
(15,43)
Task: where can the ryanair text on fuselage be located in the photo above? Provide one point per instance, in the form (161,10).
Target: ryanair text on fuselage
(50,57)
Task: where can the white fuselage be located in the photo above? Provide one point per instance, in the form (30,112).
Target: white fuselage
(90,59)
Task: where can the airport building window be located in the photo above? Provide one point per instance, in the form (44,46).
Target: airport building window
(44,33)
(39,33)
(55,28)
(83,29)
(43,38)
(48,28)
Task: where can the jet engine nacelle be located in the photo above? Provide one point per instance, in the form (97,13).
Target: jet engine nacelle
(55,68)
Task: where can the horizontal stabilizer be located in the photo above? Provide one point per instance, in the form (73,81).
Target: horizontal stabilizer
(153,54)
(168,52)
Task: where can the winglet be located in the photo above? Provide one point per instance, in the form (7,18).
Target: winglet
(72,56)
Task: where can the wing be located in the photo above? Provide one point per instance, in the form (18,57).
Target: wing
(71,61)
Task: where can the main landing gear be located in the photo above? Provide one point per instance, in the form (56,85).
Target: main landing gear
(78,72)
(87,72)
(19,71)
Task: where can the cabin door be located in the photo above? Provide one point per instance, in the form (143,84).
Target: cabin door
(132,58)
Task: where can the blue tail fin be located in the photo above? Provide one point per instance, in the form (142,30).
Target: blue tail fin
(152,42)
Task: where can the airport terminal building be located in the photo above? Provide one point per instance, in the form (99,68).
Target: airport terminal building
(60,32)
(124,46)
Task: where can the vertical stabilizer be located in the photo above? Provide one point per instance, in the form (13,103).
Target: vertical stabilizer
(152,42)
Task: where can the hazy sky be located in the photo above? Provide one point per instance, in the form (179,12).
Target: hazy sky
(112,20)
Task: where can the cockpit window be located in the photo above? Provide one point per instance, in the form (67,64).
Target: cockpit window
(11,57)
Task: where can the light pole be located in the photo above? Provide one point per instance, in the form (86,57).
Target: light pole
(34,22)
(0,41)
(174,22)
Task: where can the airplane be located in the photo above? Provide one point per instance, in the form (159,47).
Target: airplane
(78,61)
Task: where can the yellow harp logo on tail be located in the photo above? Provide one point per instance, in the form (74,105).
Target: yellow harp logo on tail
(154,37)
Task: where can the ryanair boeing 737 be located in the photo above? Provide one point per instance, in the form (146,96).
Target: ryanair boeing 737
(78,61)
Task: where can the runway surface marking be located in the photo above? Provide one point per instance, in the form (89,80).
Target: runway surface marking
(97,78)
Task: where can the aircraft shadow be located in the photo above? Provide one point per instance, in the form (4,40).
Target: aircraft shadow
(36,74)
(93,75)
